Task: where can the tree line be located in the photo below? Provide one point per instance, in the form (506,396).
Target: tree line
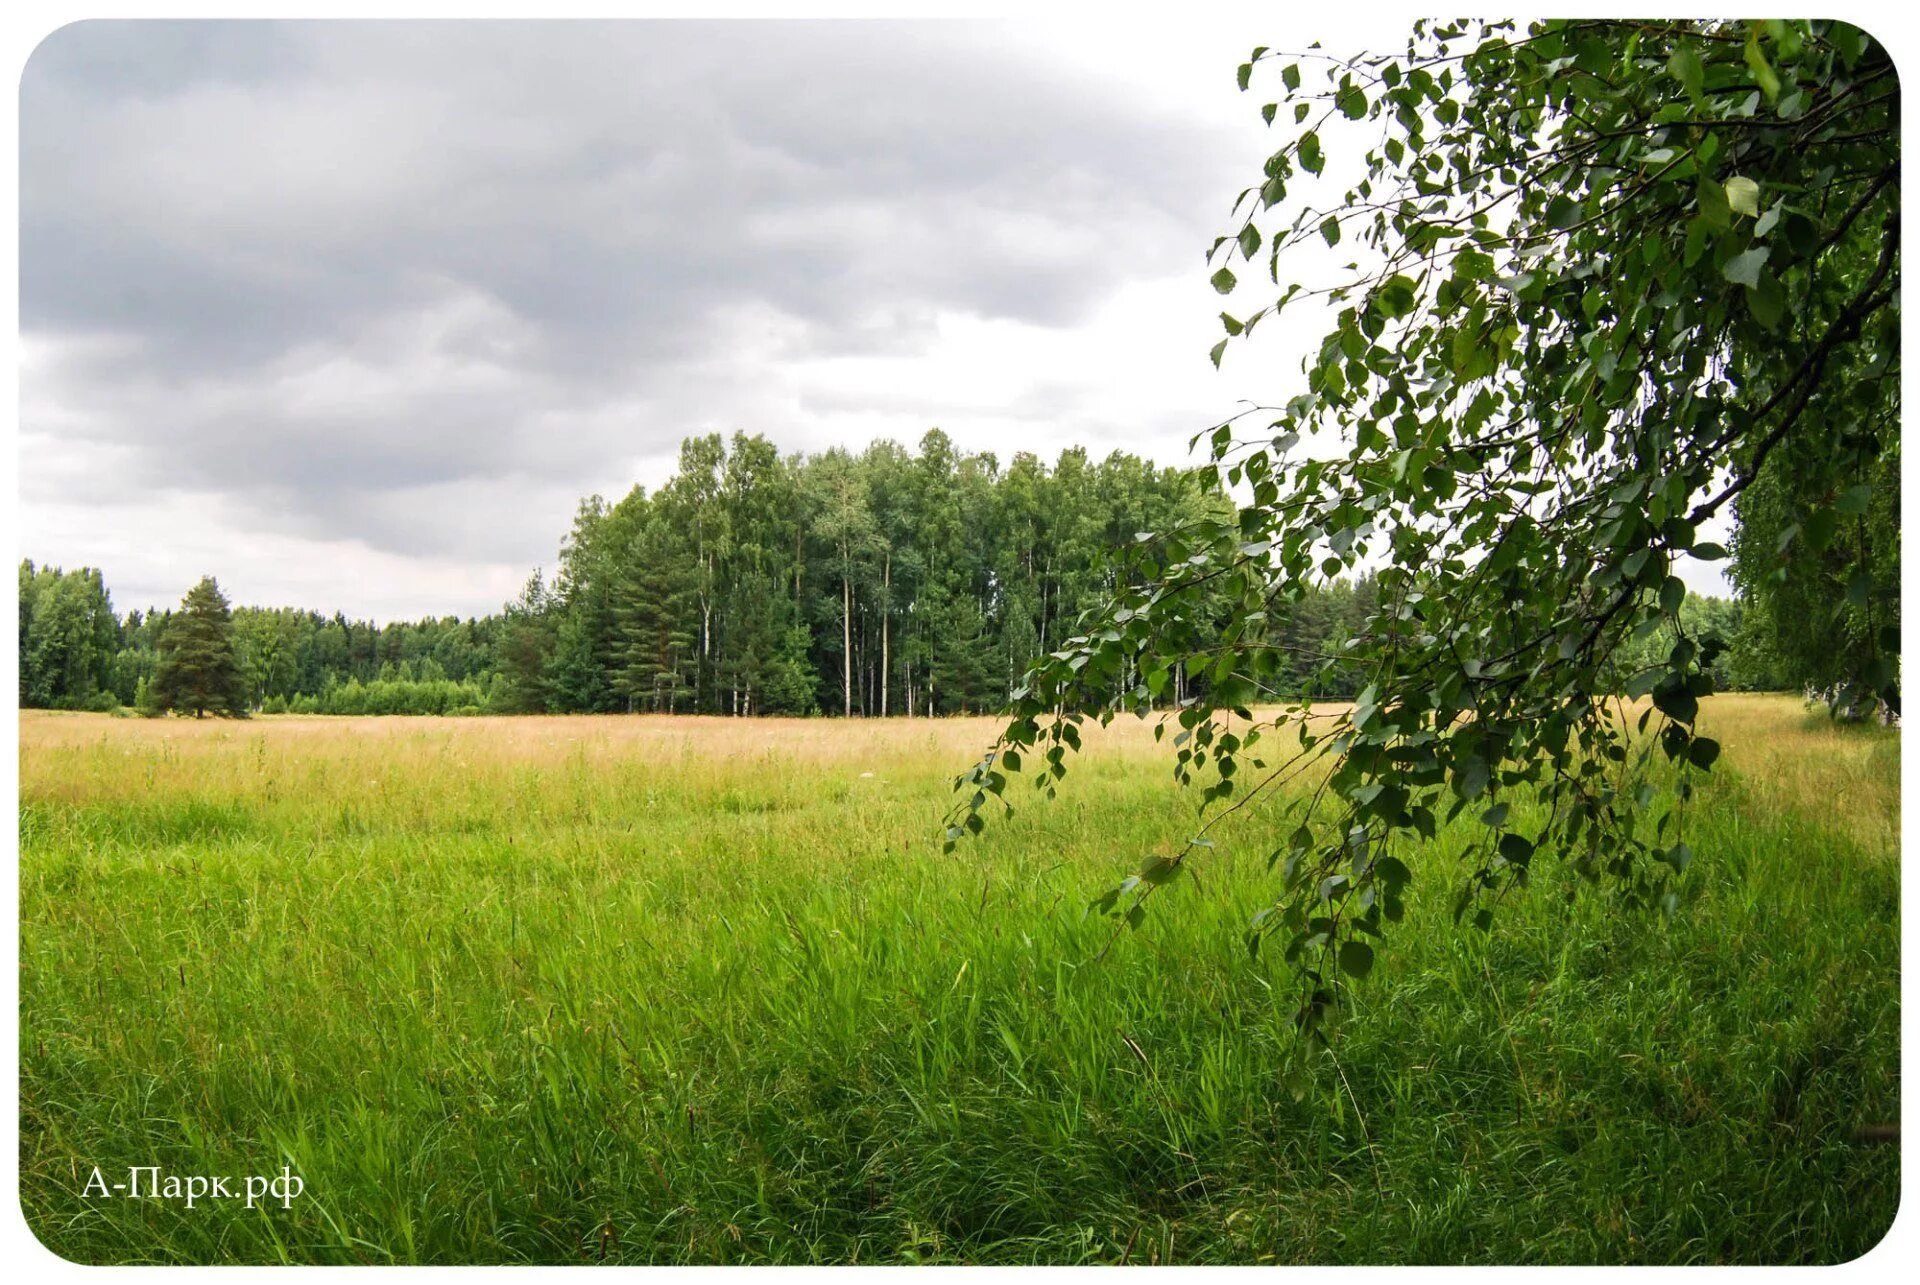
(76,652)
(884,582)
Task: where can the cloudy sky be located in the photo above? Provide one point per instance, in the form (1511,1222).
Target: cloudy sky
(351,315)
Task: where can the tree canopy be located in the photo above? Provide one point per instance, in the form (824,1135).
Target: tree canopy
(880,582)
(1610,282)
(68,637)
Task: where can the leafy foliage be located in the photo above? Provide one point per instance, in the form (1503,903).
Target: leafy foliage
(1608,276)
(68,637)
(1744,659)
(1817,559)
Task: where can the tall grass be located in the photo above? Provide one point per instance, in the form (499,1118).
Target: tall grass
(693,990)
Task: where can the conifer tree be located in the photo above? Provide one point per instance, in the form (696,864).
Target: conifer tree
(656,621)
(198,670)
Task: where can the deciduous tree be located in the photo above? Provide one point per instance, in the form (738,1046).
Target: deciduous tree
(1610,281)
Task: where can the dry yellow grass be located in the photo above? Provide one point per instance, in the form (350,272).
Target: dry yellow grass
(1787,754)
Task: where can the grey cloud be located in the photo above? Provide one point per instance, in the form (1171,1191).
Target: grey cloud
(615,184)
(138,59)
(349,266)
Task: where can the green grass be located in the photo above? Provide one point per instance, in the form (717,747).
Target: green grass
(559,990)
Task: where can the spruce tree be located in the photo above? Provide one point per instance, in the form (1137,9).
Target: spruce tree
(656,620)
(198,670)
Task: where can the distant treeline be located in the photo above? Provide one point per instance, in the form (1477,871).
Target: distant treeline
(884,582)
(76,653)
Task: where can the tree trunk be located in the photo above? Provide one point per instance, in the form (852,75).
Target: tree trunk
(846,644)
(886,610)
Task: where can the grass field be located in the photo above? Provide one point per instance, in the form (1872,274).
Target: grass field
(706,991)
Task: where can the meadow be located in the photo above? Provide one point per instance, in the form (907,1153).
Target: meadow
(706,990)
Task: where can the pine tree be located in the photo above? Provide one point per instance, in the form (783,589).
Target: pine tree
(198,670)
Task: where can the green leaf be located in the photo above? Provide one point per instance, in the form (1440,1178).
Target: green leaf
(1849,40)
(1470,778)
(1767,300)
(1311,158)
(1678,704)
(1763,73)
(1715,214)
(1702,751)
(1356,958)
(1224,281)
(1687,69)
(1159,870)
(1743,196)
(1744,269)
(1330,229)
(1392,872)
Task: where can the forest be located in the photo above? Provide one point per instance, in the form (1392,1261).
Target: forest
(884,582)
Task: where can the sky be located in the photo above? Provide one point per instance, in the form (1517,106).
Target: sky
(351,315)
